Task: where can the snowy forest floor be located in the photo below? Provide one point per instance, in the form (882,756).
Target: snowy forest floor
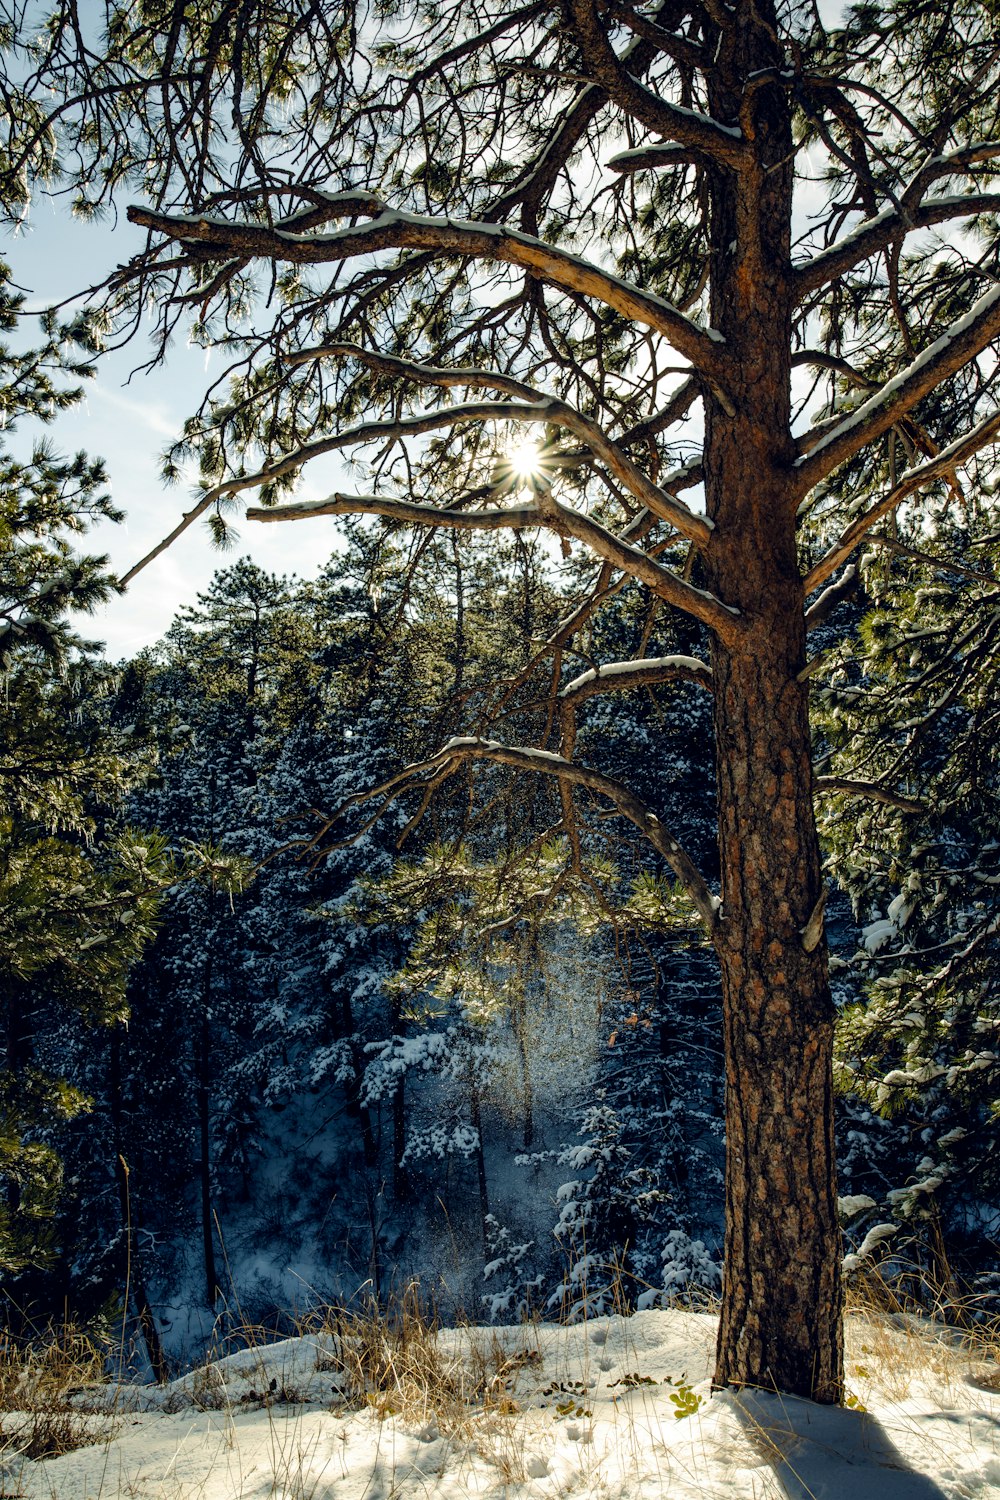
(616,1407)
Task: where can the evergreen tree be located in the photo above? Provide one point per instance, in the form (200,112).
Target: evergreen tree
(913,699)
(493,245)
(77,895)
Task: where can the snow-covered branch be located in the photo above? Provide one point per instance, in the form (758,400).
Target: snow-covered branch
(723,143)
(456,752)
(368,432)
(549,409)
(653,158)
(959,343)
(211,237)
(522,758)
(675,45)
(822,608)
(619,676)
(876,234)
(941,464)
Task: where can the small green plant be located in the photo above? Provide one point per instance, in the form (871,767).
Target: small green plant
(684,1398)
(571,1409)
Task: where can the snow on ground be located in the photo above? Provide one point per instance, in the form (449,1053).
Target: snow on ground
(617,1407)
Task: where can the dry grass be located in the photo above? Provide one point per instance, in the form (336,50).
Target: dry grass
(39,1376)
(397,1364)
(903,1326)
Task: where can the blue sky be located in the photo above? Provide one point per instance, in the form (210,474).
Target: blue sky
(128,420)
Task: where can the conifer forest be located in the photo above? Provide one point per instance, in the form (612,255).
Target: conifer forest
(577,891)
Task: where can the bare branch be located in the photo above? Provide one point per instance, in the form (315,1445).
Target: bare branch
(869,789)
(942,564)
(549,409)
(820,359)
(545,512)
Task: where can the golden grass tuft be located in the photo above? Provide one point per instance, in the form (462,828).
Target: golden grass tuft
(397,1364)
(39,1376)
(903,1324)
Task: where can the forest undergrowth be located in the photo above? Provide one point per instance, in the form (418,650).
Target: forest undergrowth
(479,1391)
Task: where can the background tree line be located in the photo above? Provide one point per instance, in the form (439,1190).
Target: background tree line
(336,1062)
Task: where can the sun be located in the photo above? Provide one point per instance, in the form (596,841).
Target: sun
(525,458)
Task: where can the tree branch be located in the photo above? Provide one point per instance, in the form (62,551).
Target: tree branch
(658,499)
(650,158)
(959,343)
(680,48)
(877,234)
(545,512)
(935,468)
(391,230)
(618,676)
(940,564)
(824,606)
(676,409)
(626,802)
(723,143)
(870,789)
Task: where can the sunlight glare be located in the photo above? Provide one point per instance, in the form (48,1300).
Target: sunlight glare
(524,458)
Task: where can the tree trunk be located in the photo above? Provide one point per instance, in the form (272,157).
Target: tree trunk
(476,1115)
(781,1325)
(400,1175)
(352,1088)
(130,1215)
(203,1092)
(783,1240)
(519,1022)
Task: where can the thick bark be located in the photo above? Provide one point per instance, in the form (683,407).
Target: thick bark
(781,1298)
(780,1326)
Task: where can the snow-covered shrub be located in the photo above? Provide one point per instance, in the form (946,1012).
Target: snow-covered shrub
(600,1214)
(686,1264)
(515,1294)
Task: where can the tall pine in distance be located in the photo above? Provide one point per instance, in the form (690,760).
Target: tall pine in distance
(735,267)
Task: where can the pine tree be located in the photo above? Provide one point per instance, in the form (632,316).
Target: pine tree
(913,698)
(582,217)
(78,894)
